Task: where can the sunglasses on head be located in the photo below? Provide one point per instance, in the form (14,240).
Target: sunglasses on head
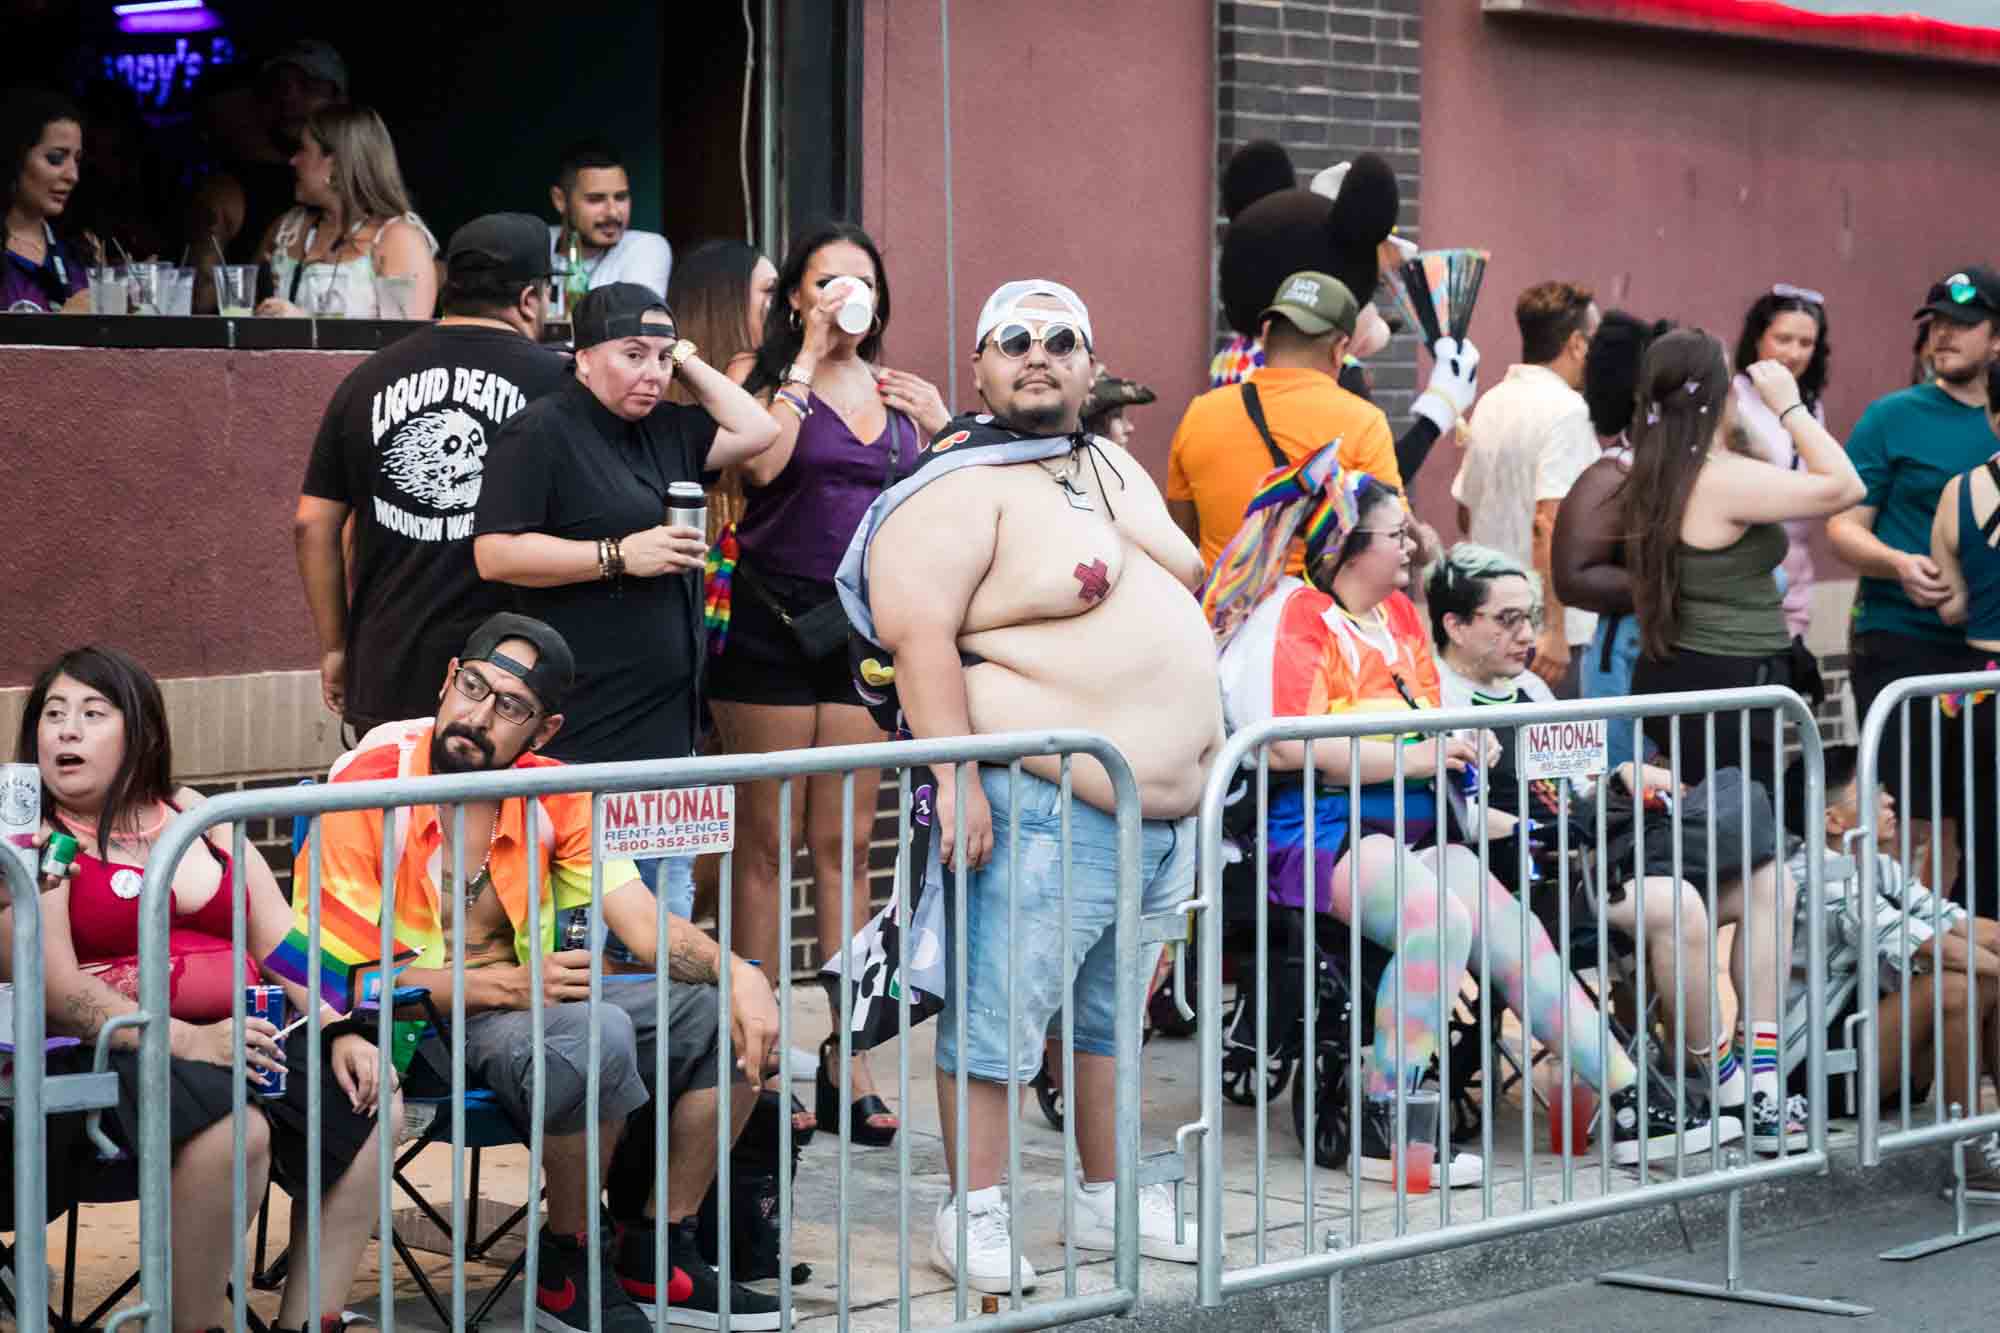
(1013,339)
(1791,293)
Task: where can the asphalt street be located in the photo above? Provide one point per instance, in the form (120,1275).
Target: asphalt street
(1950,1292)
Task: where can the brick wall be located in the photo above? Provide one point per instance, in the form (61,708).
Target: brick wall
(1328,80)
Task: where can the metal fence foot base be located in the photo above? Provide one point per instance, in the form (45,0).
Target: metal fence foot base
(1939,1244)
(1719,1291)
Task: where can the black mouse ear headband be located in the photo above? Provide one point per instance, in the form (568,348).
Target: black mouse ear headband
(1364,214)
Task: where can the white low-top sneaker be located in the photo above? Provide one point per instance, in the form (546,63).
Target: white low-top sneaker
(1097,1223)
(987,1242)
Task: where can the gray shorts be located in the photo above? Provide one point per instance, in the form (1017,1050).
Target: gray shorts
(499,1052)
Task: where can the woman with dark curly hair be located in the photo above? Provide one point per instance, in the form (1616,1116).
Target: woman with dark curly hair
(1787,325)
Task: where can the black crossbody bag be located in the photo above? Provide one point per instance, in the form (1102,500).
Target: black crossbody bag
(820,631)
(1255,407)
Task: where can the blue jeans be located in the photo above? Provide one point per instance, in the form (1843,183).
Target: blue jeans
(1602,683)
(669,877)
(672,878)
(1031,833)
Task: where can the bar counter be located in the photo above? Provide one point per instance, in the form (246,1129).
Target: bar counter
(203,332)
(149,470)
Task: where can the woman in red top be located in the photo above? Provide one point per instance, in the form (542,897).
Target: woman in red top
(96,726)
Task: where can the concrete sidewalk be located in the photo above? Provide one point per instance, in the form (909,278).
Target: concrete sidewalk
(876,1264)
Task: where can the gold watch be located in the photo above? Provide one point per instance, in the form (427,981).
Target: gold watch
(682,350)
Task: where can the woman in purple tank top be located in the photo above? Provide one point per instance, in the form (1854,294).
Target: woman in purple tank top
(779,677)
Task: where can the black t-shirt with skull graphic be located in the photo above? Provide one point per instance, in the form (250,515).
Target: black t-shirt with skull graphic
(403,445)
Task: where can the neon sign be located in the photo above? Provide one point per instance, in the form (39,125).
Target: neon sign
(158,76)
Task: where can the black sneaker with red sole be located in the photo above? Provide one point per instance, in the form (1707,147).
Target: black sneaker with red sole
(562,1289)
(693,1293)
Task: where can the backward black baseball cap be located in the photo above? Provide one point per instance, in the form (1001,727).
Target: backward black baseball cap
(555,666)
(619,310)
(1965,297)
(512,245)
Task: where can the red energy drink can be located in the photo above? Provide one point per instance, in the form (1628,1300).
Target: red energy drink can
(267,1003)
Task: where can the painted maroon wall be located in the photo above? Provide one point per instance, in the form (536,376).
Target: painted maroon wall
(149,505)
(1081,151)
(1682,175)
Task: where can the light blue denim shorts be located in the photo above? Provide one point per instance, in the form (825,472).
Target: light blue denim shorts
(1030,830)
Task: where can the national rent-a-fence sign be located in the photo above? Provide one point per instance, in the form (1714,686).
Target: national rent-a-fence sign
(1961,30)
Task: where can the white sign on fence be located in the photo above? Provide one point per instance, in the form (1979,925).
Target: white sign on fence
(1562,749)
(678,821)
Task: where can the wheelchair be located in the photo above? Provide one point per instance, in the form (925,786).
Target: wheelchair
(1335,991)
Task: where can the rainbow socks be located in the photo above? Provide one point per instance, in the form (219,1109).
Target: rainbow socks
(1764,1059)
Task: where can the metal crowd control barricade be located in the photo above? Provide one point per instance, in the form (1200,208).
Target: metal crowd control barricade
(448,794)
(1316,1250)
(1956,706)
(36,1095)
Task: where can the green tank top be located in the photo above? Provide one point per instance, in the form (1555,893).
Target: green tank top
(1730,605)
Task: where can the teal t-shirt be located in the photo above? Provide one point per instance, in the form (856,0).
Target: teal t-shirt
(1906,447)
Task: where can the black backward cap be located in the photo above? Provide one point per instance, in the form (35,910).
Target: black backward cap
(555,665)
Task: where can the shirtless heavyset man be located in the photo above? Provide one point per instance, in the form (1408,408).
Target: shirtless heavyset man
(1065,583)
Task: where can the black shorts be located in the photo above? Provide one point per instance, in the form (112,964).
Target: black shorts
(761,661)
(197,1096)
(1879,661)
(1688,671)
(1882,659)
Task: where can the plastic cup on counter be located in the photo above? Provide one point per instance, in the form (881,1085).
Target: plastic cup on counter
(236,290)
(109,294)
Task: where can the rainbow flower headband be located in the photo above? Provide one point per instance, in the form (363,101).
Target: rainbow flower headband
(1316,500)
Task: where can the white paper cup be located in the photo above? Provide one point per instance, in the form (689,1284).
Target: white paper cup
(857,307)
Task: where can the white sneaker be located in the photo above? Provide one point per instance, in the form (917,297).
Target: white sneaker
(1097,1223)
(987,1240)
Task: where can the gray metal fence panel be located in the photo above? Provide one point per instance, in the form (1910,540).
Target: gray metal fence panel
(31,1176)
(1947,705)
(452,792)
(1247,757)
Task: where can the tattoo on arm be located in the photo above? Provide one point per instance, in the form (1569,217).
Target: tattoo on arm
(84,1015)
(692,957)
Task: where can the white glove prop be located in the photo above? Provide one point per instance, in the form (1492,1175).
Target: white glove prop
(1453,385)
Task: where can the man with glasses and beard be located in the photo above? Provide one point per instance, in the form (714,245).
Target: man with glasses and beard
(500,705)
(1906,447)
(1028,576)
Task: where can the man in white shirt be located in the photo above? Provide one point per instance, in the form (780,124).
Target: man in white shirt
(1529,439)
(593,197)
